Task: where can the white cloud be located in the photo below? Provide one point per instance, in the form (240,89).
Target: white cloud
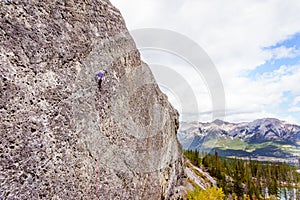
(265,91)
(234,34)
(296,100)
(294,109)
(284,52)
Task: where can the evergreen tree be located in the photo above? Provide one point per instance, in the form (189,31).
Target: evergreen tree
(238,188)
(237,177)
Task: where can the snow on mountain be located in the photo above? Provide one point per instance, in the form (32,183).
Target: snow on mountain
(260,129)
(268,136)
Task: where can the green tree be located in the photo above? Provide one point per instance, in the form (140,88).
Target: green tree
(238,188)
(273,187)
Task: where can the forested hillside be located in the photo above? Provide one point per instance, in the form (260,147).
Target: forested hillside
(248,179)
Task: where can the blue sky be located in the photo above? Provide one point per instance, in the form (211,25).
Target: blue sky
(288,106)
(273,64)
(254,44)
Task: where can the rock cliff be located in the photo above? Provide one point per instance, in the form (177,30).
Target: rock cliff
(62,138)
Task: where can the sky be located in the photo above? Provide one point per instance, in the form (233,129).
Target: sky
(253,44)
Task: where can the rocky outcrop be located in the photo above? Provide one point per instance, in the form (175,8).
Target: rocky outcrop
(62,138)
(197,177)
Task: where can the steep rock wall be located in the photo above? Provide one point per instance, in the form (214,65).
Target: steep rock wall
(62,138)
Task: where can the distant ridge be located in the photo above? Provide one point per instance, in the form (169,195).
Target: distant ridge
(267,137)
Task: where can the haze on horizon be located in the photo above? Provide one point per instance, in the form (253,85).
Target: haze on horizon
(255,46)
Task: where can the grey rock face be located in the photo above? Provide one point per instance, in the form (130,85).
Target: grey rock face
(62,138)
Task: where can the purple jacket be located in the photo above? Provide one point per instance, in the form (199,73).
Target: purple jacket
(100,75)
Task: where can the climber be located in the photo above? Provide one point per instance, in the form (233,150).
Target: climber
(99,78)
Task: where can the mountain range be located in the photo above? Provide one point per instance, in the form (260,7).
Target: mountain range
(261,139)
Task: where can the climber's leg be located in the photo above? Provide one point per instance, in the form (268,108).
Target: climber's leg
(99,83)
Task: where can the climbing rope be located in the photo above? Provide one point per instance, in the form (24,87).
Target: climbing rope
(98,143)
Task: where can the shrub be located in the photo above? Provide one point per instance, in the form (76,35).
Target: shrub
(211,193)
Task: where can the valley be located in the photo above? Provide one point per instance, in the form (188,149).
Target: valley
(262,139)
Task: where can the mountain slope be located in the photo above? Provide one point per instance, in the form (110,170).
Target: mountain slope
(263,137)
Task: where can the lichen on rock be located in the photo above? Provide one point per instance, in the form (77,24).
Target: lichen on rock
(61,138)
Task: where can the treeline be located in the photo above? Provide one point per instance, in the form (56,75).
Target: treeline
(246,178)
